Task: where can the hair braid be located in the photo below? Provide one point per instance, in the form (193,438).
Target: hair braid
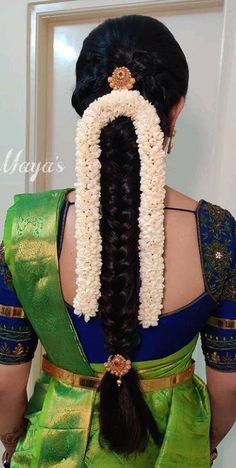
(120,194)
(119,230)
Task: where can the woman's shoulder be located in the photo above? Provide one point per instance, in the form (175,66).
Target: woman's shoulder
(210,213)
(26,218)
(216,228)
(216,218)
(217,234)
(176,199)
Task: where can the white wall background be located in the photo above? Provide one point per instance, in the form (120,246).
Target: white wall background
(221,165)
(13,31)
(13,27)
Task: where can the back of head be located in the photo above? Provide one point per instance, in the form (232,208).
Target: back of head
(147,48)
(156,61)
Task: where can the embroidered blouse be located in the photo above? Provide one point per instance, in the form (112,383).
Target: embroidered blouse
(18,340)
(213,314)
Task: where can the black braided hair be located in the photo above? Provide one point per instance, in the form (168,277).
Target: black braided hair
(156,61)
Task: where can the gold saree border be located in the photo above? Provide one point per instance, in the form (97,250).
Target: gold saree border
(88,382)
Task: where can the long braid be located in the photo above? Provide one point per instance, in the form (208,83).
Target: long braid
(119,229)
(120,194)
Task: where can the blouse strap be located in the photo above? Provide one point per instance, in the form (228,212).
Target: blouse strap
(63,215)
(180,209)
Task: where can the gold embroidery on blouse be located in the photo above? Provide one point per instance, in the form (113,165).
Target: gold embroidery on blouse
(4,349)
(16,354)
(215,234)
(221,323)
(215,358)
(11,311)
(18,350)
(229,291)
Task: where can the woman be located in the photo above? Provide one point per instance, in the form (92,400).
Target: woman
(117,386)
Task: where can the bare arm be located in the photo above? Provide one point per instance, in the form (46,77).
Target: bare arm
(13,403)
(222,391)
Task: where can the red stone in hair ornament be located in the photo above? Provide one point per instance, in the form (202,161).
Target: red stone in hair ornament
(121,78)
(117,365)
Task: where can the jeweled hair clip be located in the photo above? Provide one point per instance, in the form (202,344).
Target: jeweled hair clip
(118,366)
(121,78)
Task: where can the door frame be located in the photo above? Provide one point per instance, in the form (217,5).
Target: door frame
(41,15)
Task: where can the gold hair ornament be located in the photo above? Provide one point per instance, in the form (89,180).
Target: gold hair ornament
(121,78)
(117,365)
(131,104)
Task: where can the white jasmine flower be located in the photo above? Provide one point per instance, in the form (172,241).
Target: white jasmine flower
(151,210)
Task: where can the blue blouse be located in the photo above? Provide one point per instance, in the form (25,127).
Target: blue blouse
(213,314)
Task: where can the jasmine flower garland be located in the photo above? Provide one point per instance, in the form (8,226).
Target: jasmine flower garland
(150,137)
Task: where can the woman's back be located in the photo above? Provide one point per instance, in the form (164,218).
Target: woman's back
(191,292)
(184,278)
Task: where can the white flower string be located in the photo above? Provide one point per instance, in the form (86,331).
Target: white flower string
(132,104)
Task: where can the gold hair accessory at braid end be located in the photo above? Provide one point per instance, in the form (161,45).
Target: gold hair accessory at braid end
(121,78)
(117,365)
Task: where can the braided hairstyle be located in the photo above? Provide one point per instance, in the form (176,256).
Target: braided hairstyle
(156,61)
